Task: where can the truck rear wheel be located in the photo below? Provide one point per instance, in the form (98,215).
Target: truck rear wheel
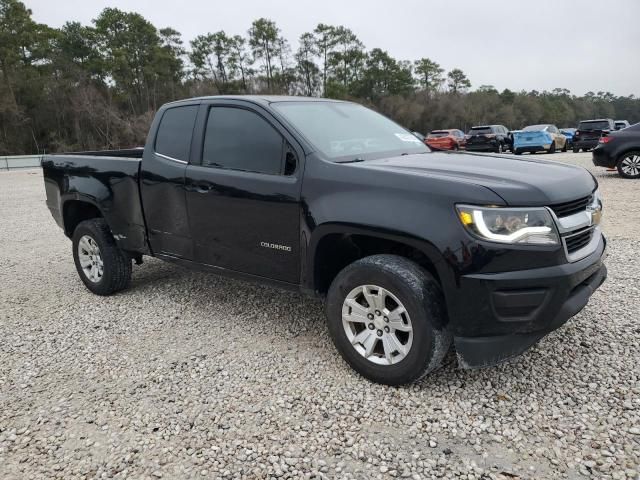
(102,266)
(386,316)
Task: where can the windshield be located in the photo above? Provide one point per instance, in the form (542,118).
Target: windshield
(348,130)
(596,125)
(534,128)
(438,133)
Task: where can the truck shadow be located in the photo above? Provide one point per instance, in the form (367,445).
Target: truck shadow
(293,317)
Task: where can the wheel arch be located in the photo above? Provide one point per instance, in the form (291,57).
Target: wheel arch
(76,210)
(624,151)
(334,246)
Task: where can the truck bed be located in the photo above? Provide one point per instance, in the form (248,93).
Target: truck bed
(108,180)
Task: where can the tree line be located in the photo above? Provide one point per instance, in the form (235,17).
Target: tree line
(82,87)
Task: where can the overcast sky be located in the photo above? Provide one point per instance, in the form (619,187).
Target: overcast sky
(536,44)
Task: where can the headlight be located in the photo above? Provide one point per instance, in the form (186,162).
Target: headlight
(595,207)
(523,226)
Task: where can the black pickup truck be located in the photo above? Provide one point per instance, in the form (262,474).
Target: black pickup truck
(411,249)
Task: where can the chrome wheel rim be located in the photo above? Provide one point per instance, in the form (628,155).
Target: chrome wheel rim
(90,259)
(377,325)
(631,165)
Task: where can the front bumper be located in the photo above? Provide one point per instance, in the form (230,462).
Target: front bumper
(521,307)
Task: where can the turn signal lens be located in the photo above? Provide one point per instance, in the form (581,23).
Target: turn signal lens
(466,218)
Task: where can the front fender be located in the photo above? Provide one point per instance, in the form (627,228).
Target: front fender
(428,249)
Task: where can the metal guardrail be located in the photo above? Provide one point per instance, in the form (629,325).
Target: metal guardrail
(20,161)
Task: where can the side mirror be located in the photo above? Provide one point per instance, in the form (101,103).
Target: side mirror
(290,161)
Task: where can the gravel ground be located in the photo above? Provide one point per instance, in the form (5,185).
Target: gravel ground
(187,375)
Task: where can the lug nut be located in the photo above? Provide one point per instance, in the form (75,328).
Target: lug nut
(387,329)
(386,319)
(370,316)
(371,327)
(379,333)
(378,313)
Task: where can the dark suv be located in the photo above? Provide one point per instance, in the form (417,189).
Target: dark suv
(489,138)
(589,132)
(621,124)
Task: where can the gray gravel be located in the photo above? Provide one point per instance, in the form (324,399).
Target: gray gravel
(187,375)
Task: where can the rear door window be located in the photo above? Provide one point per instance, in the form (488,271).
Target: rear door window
(173,138)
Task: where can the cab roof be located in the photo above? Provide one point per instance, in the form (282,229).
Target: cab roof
(260,99)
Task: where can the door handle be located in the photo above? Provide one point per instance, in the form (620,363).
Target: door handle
(202,187)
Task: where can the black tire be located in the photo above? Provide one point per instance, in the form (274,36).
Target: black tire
(552,148)
(564,148)
(517,152)
(116,264)
(422,299)
(575,149)
(619,165)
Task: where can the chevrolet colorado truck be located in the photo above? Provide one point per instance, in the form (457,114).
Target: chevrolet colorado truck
(412,250)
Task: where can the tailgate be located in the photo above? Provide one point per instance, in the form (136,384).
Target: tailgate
(479,139)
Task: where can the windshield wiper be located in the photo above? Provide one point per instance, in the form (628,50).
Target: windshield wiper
(353,160)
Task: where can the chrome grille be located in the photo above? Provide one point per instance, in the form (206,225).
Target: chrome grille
(576,241)
(569,208)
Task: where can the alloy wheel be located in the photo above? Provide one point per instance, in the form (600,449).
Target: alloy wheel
(630,165)
(90,259)
(377,324)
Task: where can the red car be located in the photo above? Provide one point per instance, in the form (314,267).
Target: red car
(445,139)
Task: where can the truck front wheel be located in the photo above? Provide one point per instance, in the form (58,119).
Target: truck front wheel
(387,318)
(102,266)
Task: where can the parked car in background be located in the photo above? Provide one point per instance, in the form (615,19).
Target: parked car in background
(620,124)
(568,133)
(539,138)
(451,139)
(620,149)
(589,132)
(488,138)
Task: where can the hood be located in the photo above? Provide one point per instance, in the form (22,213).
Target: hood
(519,181)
